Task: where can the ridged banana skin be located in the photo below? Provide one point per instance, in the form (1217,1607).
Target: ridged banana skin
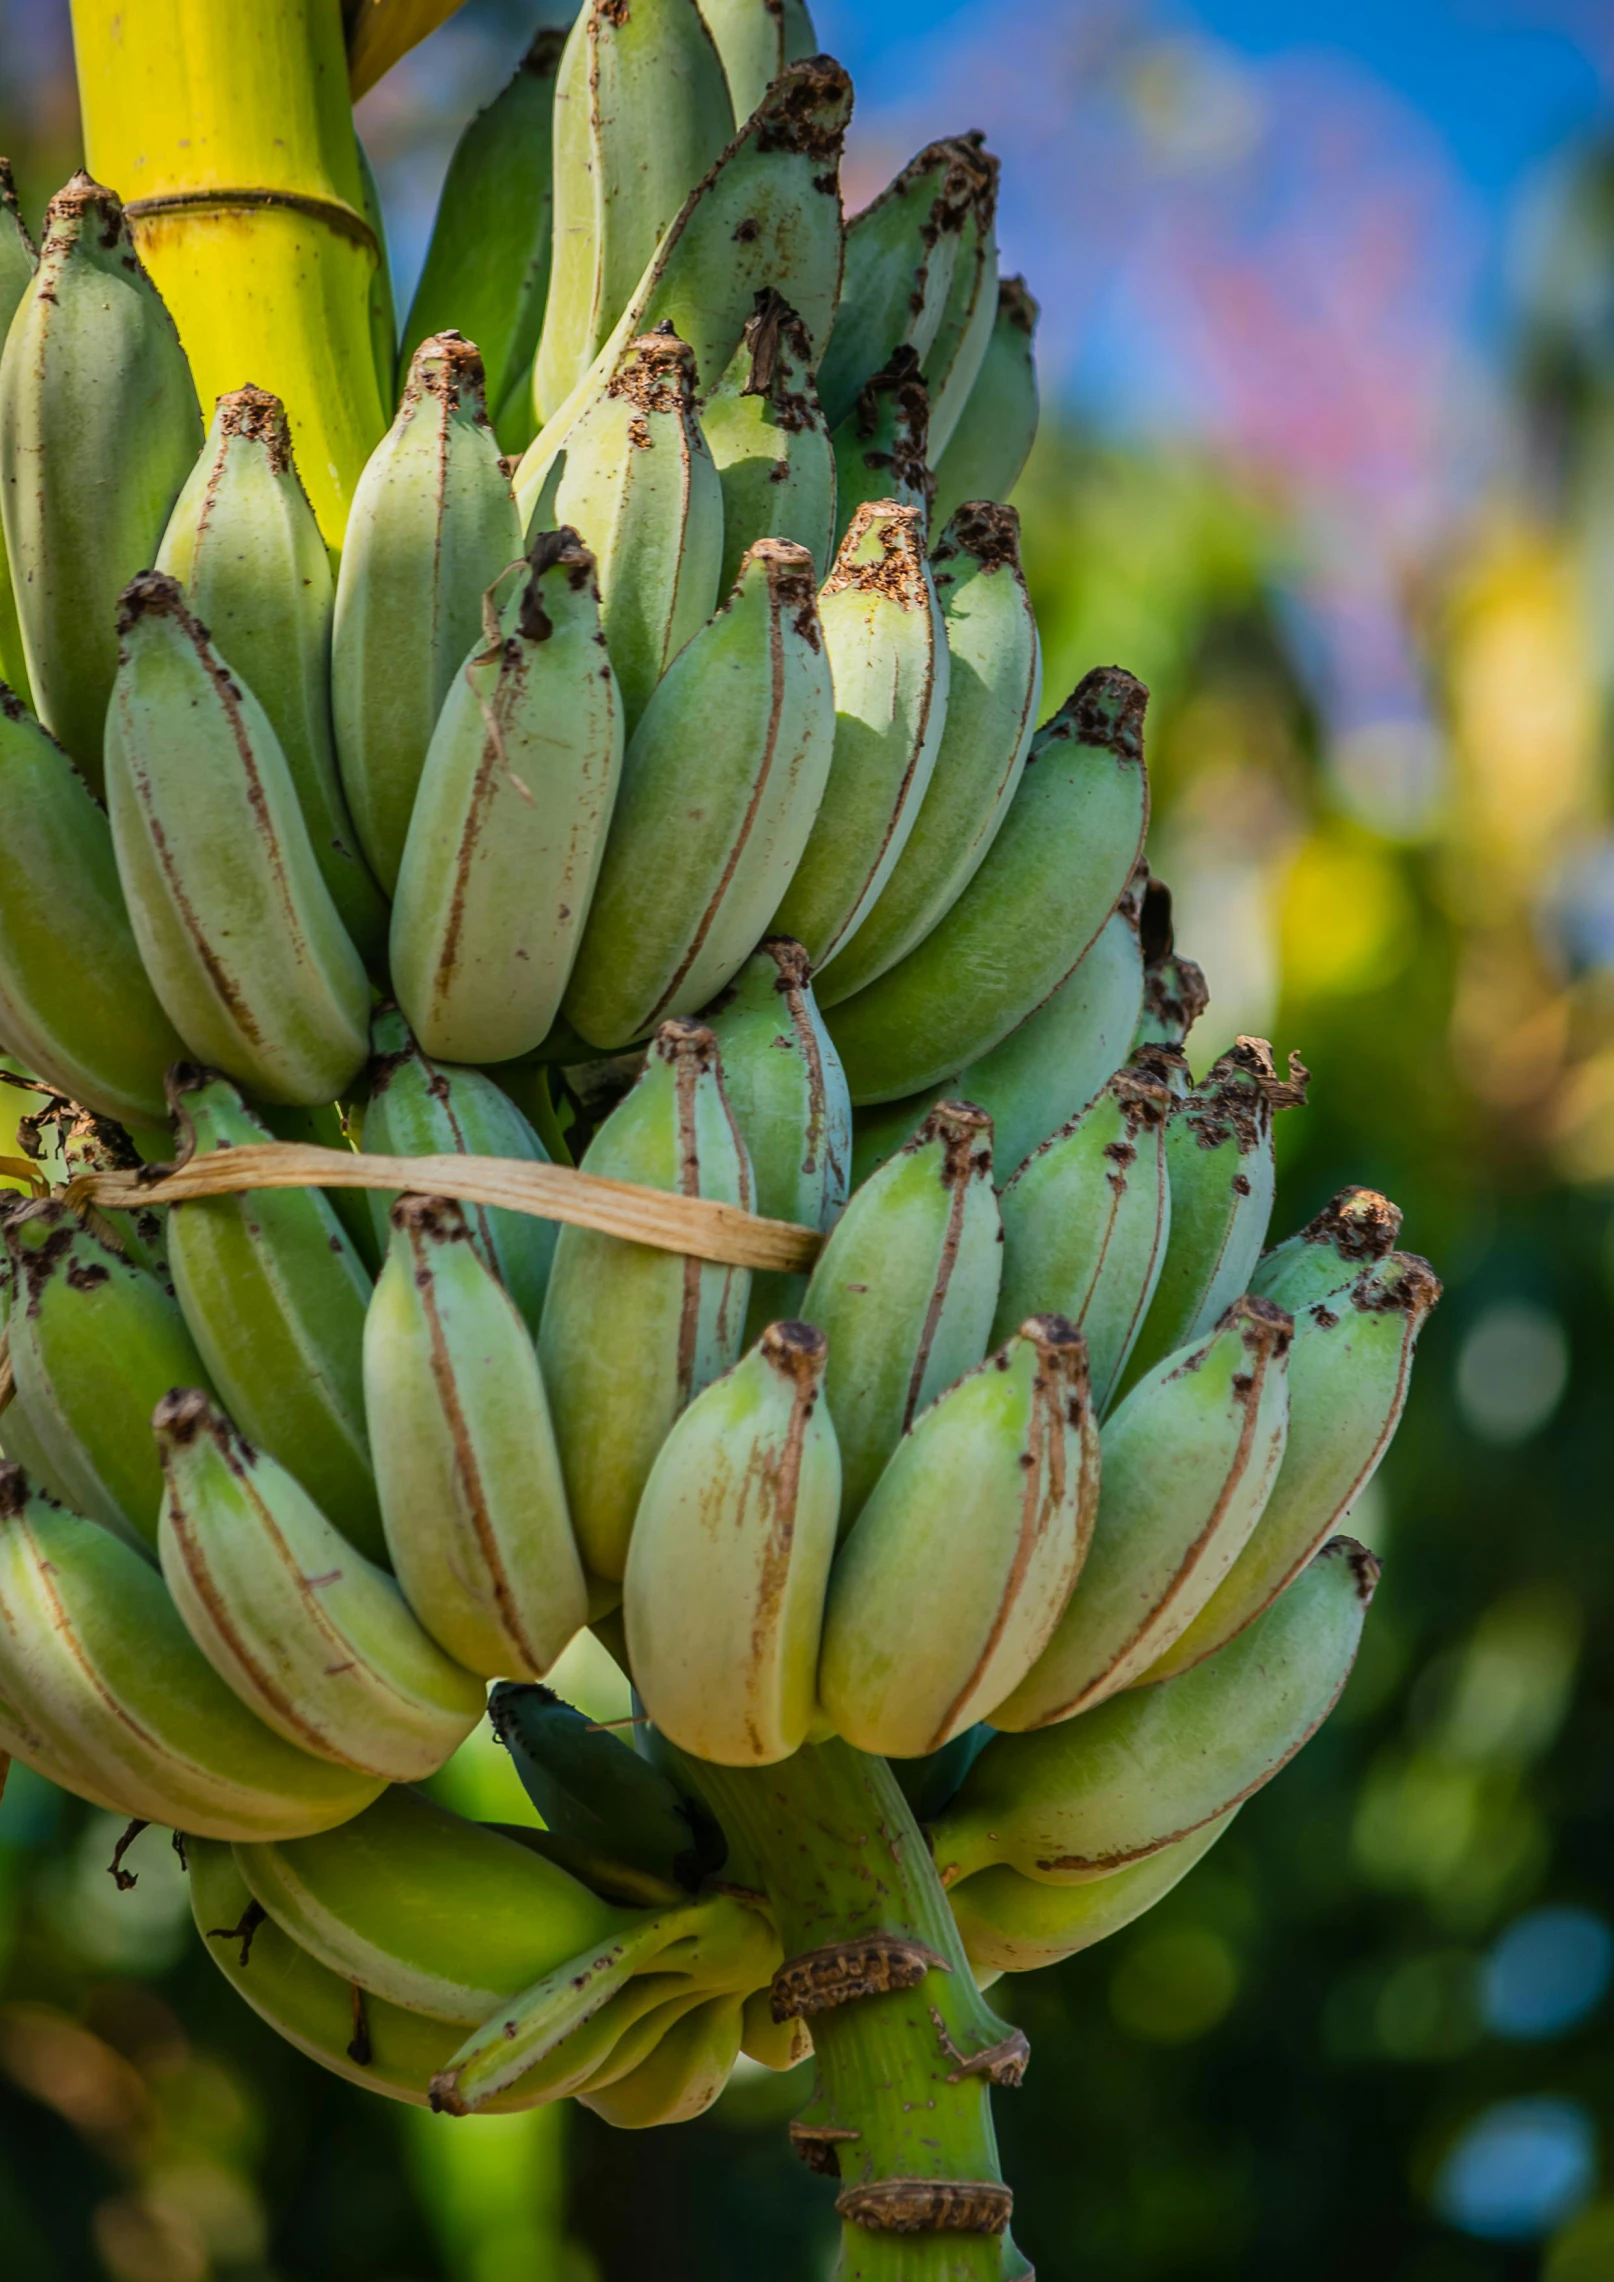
(889,661)
(720,788)
(954,359)
(906,1288)
(882,446)
(631,1335)
(994,692)
(1089,1796)
(998,424)
(244,544)
(682,2076)
(591,1786)
(785,1085)
(1190,1460)
(1085,1224)
(1011,1924)
(18,260)
(1060,863)
(756,39)
(765,430)
(1349,1371)
(235,925)
(275,1297)
(99,427)
(1355,1229)
(416,1107)
(508,829)
(642,113)
(312,1637)
(94,1343)
(730,1557)
(75,1006)
(959,1566)
(471,1488)
(433,525)
(95,1662)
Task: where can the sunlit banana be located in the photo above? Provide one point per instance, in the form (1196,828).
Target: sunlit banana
(1014,1924)
(18,260)
(1353,1230)
(953,361)
(433,525)
(509,822)
(881,445)
(1174,989)
(99,427)
(1190,1459)
(720,788)
(996,428)
(766,433)
(235,924)
(594,1790)
(958,1567)
(470,1480)
(756,39)
(311,1636)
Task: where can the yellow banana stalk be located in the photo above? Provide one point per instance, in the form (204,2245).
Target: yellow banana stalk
(380,32)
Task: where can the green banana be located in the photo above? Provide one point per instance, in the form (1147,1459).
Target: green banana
(642,112)
(1220,1165)
(730,1556)
(1174,989)
(91,1144)
(509,823)
(881,446)
(953,361)
(416,1107)
(1190,1459)
(470,1480)
(243,543)
(486,272)
(1089,1796)
(595,1791)
(328,1125)
(235,925)
(682,2075)
(959,1566)
(906,1288)
(784,1085)
(998,423)
(1353,1231)
(1349,1370)
(766,433)
(75,1006)
(95,1342)
(99,427)
(1085,1225)
(274,1295)
(630,1335)
(1011,1924)
(105,1692)
(433,525)
(312,1637)
(888,657)
(19,258)
(756,39)
(994,691)
(720,788)
(1059,864)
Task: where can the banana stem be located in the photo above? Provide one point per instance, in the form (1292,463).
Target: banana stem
(907,2049)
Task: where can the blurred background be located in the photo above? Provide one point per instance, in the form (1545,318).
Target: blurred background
(1328,458)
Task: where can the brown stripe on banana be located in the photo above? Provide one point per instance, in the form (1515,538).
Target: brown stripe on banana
(998,424)
(953,361)
(1013,1924)
(769,442)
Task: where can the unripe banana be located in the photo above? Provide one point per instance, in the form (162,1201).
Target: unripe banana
(274,1295)
(1088,1796)
(243,543)
(470,1480)
(18,261)
(311,1636)
(756,39)
(786,1089)
(960,1564)
(1353,1231)
(104,1691)
(433,525)
(994,690)
(720,787)
(416,1107)
(889,661)
(681,2076)
(1174,989)
(509,823)
(631,1335)
(595,1791)
(730,1557)
(75,1006)
(1190,1459)
(769,443)
(95,1342)
(642,112)
(881,445)
(1349,1370)
(953,362)
(1011,1924)
(99,427)
(906,1288)
(1085,1223)
(1059,864)
(235,925)
(91,1144)
(998,424)
(1220,1165)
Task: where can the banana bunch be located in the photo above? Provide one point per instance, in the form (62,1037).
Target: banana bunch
(668,816)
